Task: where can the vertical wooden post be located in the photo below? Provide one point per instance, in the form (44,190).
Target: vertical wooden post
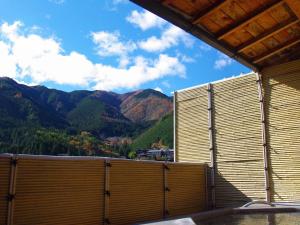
(166,189)
(107,165)
(211,144)
(174,128)
(264,137)
(12,191)
(206,186)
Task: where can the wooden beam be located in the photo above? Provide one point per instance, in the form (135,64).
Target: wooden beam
(276,50)
(290,56)
(251,17)
(207,11)
(267,34)
(295,6)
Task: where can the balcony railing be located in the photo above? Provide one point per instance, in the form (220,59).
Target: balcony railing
(86,190)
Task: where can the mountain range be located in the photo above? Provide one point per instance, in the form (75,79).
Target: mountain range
(102,114)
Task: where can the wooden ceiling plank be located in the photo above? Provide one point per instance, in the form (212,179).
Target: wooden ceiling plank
(268,34)
(208,11)
(277,50)
(286,57)
(249,18)
(266,22)
(294,5)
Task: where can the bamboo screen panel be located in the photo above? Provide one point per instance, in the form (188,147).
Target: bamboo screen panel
(237,138)
(86,190)
(192,141)
(4,187)
(282,99)
(238,144)
(185,196)
(136,192)
(59,191)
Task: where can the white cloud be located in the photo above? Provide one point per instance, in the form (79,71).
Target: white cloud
(10,31)
(170,37)
(43,60)
(145,20)
(27,83)
(109,44)
(222,62)
(7,61)
(142,71)
(158,89)
(37,59)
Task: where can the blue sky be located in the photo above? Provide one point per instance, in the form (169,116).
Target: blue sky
(102,44)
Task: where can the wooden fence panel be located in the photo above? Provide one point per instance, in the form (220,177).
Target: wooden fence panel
(55,191)
(191,124)
(136,190)
(87,190)
(187,192)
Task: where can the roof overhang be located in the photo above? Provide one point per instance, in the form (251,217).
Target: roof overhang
(258,33)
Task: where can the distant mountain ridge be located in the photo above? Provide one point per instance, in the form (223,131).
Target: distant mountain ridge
(102,113)
(146,105)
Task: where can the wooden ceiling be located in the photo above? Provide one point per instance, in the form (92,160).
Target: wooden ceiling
(257,33)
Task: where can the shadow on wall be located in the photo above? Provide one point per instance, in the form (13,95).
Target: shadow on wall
(282,100)
(232,197)
(229,181)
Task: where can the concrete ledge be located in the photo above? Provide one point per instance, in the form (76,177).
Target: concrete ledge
(198,217)
(212,214)
(192,218)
